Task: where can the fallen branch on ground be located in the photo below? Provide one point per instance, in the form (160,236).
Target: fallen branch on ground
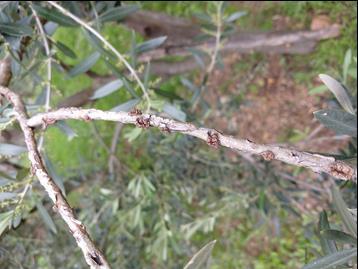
(316,162)
(93,256)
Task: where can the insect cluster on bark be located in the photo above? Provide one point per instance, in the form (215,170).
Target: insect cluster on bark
(213,139)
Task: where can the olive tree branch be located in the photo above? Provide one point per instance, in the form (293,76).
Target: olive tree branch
(218,22)
(48,54)
(316,162)
(49,66)
(93,256)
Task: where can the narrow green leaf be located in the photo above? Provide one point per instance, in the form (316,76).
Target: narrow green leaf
(353,72)
(188,84)
(346,64)
(50,28)
(118,73)
(339,92)
(66,129)
(85,65)
(167,93)
(132,52)
(318,89)
(11,150)
(328,246)
(174,112)
(5,219)
(51,170)
(150,44)
(201,259)
(65,50)
(55,16)
(46,218)
(199,57)
(127,106)
(342,210)
(6,176)
(146,75)
(235,16)
(332,260)
(97,44)
(7,195)
(117,13)
(341,122)
(15,29)
(22,173)
(133,134)
(339,236)
(107,89)
(204,18)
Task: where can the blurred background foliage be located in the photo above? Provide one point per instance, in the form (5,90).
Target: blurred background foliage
(169,195)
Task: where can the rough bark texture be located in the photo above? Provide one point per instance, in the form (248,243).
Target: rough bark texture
(317,163)
(93,256)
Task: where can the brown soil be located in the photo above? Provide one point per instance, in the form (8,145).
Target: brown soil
(273,112)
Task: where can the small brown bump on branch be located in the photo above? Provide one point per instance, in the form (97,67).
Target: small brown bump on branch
(316,162)
(135,112)
(96,259)
(143,122)
(165,129)
(5,71)
(268,155)
(48,121)
(213,139)
(341,170)
(82,238)
(86,118)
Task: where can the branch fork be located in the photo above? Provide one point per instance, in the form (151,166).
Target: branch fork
(93,256)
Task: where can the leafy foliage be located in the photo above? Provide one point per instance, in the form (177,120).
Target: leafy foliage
(168,195)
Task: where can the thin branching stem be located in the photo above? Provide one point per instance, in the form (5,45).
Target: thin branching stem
(49,67)
(218,22)
(108,45)
(93,256)
(49,58)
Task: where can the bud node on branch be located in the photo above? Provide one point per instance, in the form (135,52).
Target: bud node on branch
(267,155)
(213,139)
(341,170)
(135,112)
(143,122)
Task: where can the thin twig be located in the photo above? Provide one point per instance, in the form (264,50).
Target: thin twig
(49,68)
(217,37)
(49,59)
(108,45)
(316,162)
(114,143)
(92,255)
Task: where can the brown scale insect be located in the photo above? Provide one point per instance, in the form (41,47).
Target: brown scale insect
(48,121)
(86,118)
(165,130)
(32,170)
(268,155)
(339,169)
(135,112)
(213,139)
(143,122)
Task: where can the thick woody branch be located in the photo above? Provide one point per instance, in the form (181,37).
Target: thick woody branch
(317,163)
(297,42)
(93,256)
